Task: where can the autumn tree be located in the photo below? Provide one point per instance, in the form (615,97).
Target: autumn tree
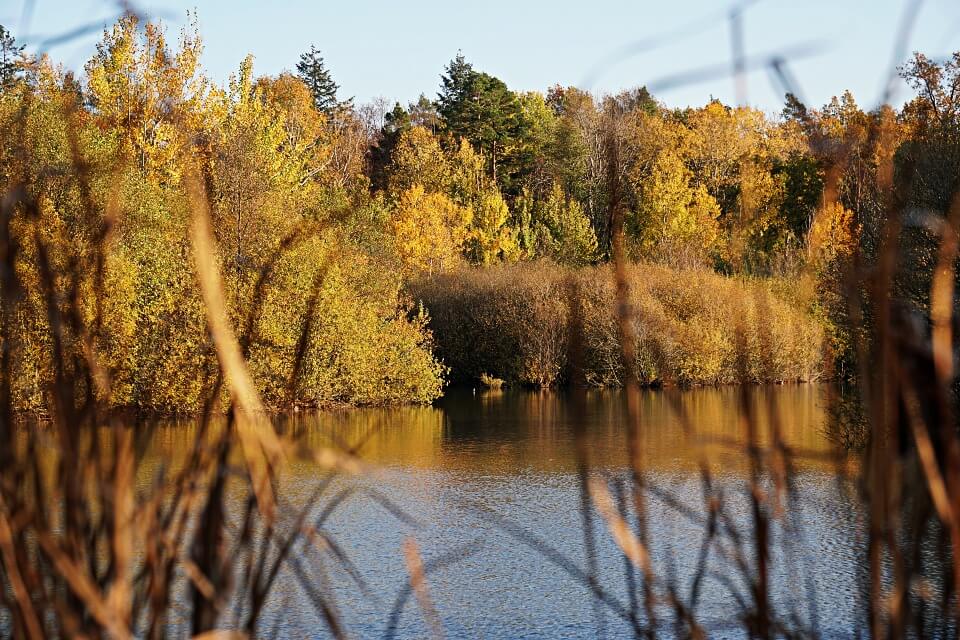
(569,238)
(255,170)
(675,222)
(468,178)
(831,245)
(718,145)
(430,230)
(927,168)
(576,156)
(418,159)
(423,113)
(303,125)
(149,95)
(492,238)
(933,153)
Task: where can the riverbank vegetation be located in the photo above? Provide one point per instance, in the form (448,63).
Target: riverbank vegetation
(334,219)
(693,326)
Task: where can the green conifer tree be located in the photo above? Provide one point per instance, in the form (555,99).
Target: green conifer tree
(313,71)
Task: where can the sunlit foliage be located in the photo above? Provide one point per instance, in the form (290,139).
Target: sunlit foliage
(323,211)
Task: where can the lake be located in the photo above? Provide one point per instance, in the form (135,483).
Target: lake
(487,486)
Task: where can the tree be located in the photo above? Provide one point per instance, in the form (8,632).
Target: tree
(304,126)
(933,151)
(423,113)
(480,108)
(468,180)
(10,51)
(395,123)
(530,232)
(802,177)
(418,159)
(638,99)
(313,71)
(794,109)
(570,238)
(492,237)
(722,139)
(147,94)
(831,244)
(531,151)
(675,222)
(577,155)
(254,168)
(937,104)
(429,229)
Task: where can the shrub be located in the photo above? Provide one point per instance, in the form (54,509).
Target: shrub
(692,326)
(507,322)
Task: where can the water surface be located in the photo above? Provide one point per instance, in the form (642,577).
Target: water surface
(487,485)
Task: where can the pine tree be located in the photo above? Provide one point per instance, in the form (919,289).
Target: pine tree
(9,52)
(395,124)
(480,108)
(313,71)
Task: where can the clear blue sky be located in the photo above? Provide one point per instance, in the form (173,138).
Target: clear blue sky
(398,49)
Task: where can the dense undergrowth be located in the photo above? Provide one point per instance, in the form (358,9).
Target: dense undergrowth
(693,326)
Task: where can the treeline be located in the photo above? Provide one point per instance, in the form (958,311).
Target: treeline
(805,195)
(324,210)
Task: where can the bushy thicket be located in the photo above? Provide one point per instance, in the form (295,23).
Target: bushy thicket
(316,306)
(693,326)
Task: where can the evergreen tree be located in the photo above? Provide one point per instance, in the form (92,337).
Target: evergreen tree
(9,52)
(794,110)
(314,73)
(395,124)
(480,108)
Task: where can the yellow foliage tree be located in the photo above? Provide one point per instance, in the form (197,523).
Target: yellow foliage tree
(833,233)
(429,229)
(418,160)
(305,128)
(468,179)
(256,174)
(492,237)
(831,243)
(676,222)
(570,238)
(148,94)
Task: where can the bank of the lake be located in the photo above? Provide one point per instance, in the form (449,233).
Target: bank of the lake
(692,326)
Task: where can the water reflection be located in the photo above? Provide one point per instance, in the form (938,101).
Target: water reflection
(476,469)
(511,432)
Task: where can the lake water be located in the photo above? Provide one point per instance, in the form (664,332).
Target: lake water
(487,485)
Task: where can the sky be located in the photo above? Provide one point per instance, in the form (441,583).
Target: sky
(397,50)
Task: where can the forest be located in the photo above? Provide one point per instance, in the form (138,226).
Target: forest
(374,254)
